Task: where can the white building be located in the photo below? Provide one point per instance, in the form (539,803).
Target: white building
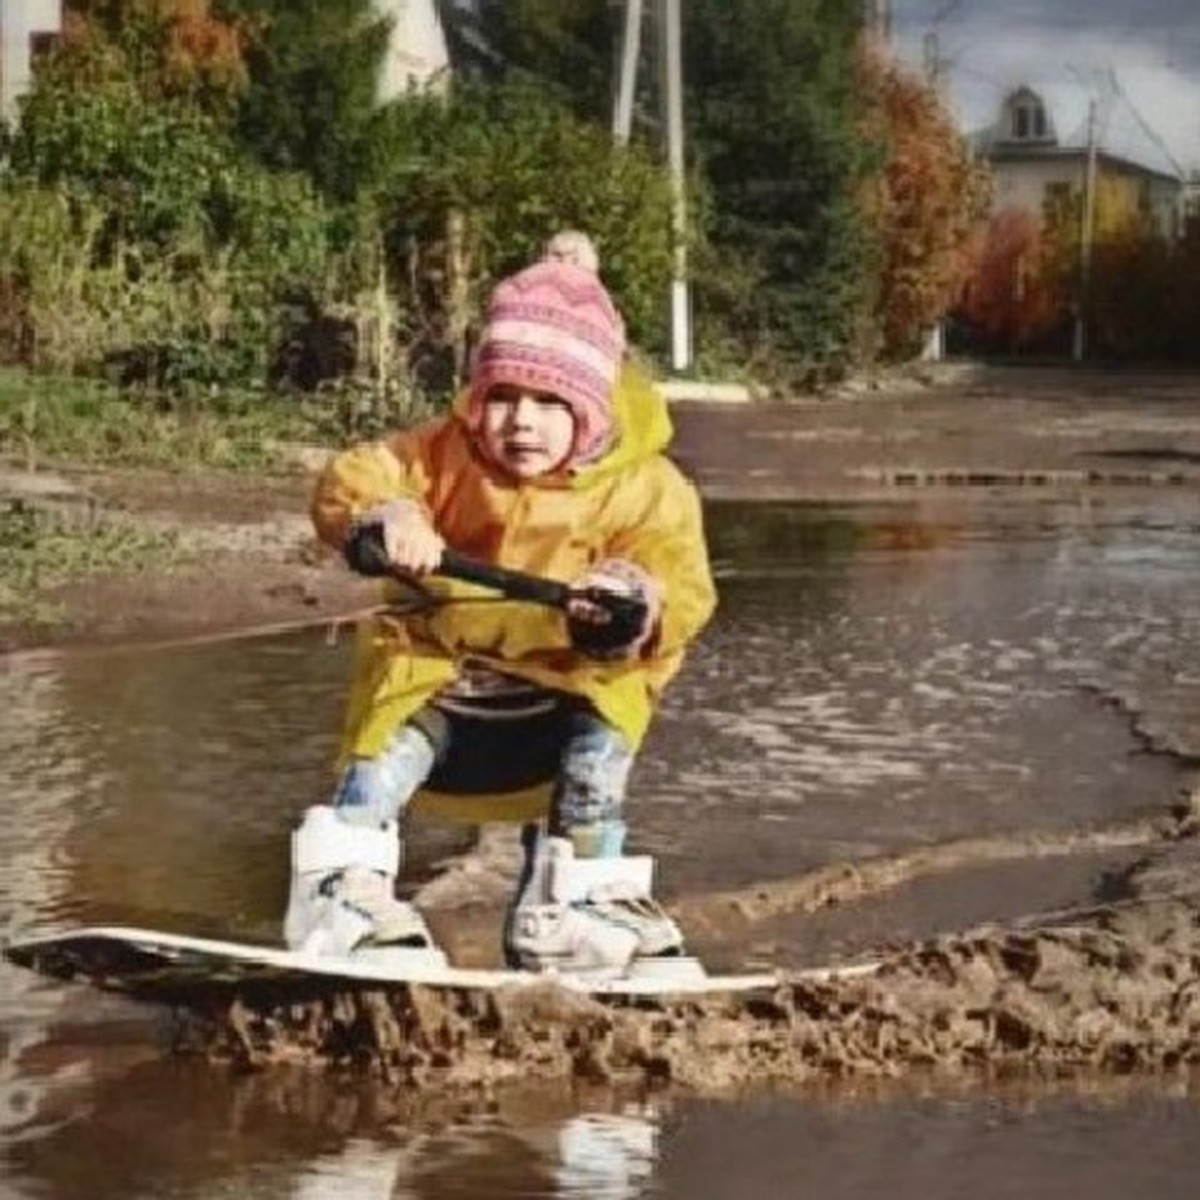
(1039,147)
(23,23)
(418,55)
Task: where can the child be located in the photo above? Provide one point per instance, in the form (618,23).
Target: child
(547,465)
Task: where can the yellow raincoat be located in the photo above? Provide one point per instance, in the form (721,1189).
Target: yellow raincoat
(632,503)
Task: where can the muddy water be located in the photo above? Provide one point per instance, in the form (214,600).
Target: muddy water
(994,688)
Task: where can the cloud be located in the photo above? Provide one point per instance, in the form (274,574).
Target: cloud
(1120,17)
(990,47)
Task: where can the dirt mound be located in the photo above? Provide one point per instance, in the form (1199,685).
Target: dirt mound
(1119,994)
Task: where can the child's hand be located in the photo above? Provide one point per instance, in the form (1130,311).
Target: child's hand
(614,630)
(409,540)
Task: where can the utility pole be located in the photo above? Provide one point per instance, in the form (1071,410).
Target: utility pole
(672,93)
(930,57)
(630,53)
(878,19)
(934,347)
(669,17)
(932,60)
(1087,234)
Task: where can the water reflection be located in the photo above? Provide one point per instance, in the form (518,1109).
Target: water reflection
(1105,1142)
(933,675)
(290,1137)
(299,1137)
(160,788)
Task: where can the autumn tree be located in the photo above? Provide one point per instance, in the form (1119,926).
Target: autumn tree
(1131,297)
(1183,301)
(171,49)
(1014,298)
(927,203)
(1125,299)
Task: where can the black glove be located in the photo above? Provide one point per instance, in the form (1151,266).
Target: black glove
(364,550)
(614,610)
(625,627)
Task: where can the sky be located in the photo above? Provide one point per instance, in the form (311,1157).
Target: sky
(1147,52)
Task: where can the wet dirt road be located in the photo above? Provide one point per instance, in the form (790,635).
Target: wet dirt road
(936,712)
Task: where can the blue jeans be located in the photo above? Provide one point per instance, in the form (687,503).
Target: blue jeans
(587,795)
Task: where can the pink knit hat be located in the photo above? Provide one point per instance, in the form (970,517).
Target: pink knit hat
(553,328)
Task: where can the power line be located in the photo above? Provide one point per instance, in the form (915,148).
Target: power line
(1146,127)
(877,16)
(947,9)
(1106,82)
(1002,84)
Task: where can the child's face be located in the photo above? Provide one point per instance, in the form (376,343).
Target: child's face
(527,433)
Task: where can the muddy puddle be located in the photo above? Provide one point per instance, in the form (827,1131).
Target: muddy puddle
(955,737)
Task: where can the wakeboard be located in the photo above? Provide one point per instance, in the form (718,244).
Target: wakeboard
(184,971)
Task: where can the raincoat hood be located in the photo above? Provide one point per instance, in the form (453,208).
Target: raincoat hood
(641,426)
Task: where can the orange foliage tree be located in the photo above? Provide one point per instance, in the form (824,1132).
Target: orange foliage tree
(1016,297)
(173,48)
(1130,282)
(928,203)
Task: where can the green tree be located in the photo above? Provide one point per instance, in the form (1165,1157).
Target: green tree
(152,163)
(773,126)
(569,47)
(314,68)
(470,189)
(139,237)
(774,118)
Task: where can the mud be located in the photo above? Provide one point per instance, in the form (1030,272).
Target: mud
(1112,989)
(727,928)
(844,883)
(1118,994)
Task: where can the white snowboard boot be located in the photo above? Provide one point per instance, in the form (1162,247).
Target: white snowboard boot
(586,915)
(343,889)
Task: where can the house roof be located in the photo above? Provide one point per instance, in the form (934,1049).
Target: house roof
(1122,132)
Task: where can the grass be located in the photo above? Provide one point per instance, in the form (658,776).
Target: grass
(52,419)
(85,421)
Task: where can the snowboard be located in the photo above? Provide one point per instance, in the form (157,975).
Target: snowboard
(187,971)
